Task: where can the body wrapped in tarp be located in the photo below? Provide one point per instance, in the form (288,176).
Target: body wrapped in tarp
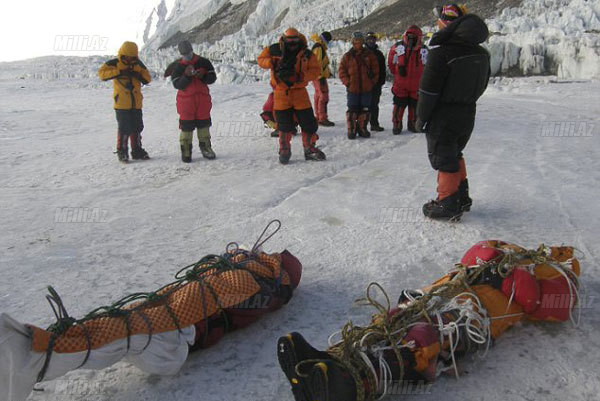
(153,331)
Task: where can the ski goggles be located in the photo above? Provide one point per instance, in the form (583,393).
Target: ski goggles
(291,39)
(129,59)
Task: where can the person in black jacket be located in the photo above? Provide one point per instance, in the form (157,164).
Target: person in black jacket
(456,75)
(191,76)
(371,43)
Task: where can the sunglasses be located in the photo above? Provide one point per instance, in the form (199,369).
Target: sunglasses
(292,39)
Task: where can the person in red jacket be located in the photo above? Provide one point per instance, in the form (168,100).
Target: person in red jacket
(406,61)
(191,76)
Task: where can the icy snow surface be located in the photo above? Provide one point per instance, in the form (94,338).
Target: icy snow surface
(57,138)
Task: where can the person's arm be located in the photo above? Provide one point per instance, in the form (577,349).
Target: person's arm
(382,68)
(143,75)
(109,70)
(343,71)
(391,60)
(374,68)
(313,69)
(179,79)
(432,82)
(265,60)
(210,76)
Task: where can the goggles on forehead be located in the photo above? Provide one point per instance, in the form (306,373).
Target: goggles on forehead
(292,39)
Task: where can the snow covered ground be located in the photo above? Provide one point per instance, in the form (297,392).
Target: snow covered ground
(530,184)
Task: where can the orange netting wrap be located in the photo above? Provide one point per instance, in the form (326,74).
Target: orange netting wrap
(206,289)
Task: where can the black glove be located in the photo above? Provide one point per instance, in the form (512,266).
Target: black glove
(323,81)
(420,125)
(402,70)
(127,73)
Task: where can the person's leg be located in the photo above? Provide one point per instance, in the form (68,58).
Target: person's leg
(364,115)
(285,124)
(322,88)
(123,131)
(400,104)
(374,120)
(204,139)
(317,100)
(137,151)
(308,124)
(186,138)
(412,112)
(354,108)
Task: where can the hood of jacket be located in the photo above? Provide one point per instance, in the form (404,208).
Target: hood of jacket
(469,29)
(128,49)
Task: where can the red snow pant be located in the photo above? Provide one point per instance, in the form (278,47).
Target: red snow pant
(321,99)
(400,104)
(194,110)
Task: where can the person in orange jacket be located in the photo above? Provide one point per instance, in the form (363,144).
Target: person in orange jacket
(292,67)
(128,74)
(359,72)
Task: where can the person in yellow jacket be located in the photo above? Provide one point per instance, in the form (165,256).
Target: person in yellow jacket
(128,74)
(292,67)
(321,88)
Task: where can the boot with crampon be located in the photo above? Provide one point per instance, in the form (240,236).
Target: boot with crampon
(448,208)
(311,152)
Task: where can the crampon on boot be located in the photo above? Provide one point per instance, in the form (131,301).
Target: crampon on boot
(139,154)
(465,201)
(361,126)
(311,152)
(448,208)
(285,147)
(186,153)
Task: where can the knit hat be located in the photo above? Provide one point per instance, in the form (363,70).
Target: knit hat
(358,36)
(185,47)
(326,36)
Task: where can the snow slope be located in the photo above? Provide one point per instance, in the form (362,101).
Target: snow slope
(57,139)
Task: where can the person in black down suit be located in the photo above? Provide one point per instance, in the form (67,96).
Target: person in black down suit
(371,43)
(456,75)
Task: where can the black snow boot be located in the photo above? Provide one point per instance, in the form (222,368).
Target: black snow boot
(447,209)
(291,350)
(329,381)
(186,153)
(139,154)
(465,201)
(122,155)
